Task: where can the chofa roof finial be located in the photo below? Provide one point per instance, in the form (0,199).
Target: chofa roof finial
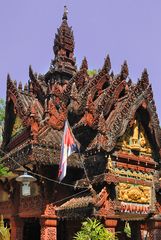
(65,15)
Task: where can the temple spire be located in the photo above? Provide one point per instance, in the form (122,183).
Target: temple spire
(65,15)
(64,61)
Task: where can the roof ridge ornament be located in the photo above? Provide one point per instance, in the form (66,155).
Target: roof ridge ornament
(65,15)
(84,64)
(124,70)
(107,64)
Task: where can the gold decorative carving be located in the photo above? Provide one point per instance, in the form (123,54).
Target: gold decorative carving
(134,193)
(135,139)
(110,166)
(17,127)
(133,174)
(141,175)
(4,231)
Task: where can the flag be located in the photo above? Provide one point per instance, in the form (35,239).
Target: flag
(69,145)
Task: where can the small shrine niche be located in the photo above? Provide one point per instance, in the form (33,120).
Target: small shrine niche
(135,140)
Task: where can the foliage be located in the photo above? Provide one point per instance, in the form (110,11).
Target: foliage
(3,170)
(127,230)
(92,73)
(2,110)
(92,229)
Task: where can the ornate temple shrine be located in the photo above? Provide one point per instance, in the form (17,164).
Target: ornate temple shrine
(116,176)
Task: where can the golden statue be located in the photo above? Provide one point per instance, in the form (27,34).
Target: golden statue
(135,132)
(135,137)
(110,164)
(4,231)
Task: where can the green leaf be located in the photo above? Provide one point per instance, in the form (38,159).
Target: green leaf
(2,110)
(92,73)
(93,229)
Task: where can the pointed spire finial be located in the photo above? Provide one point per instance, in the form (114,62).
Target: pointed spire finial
(84,64)
(20,86)
(8,77)
(145,78)
(107,64)
(124,70)
(65,15)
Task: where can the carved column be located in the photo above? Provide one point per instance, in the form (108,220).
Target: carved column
(48,229)
(49,223)
(110,225)
(16,228)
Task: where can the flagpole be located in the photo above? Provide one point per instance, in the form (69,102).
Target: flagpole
(68,132)
(85,171)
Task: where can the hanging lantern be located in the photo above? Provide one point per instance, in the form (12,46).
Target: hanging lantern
(26,179)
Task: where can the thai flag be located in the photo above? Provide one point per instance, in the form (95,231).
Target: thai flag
(69,145)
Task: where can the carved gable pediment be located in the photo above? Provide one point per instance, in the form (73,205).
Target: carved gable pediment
(135,140)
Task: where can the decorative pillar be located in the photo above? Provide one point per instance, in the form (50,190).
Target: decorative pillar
(48,229)
(48,223)
(110,225)
(16,225)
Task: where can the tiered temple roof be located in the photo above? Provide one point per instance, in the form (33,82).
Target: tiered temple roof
(99,108)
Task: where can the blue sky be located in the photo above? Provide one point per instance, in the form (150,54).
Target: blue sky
(125,29)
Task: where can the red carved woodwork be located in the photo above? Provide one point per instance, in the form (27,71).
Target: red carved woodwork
(105,204)
(57,118)
(25,209)
(49,223)
(48,229)
(6,208)
(111,224)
